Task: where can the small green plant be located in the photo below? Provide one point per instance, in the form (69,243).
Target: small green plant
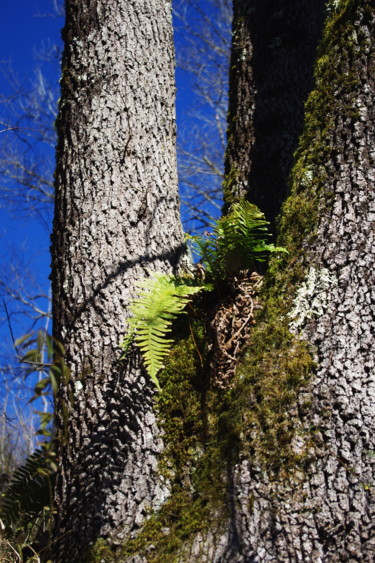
(28,496)
(161,298)
(237,242)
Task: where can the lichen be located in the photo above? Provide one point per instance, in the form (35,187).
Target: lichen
(78,387)
(311,300)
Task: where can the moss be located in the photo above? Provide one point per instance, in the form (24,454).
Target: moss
(274,370)
(229,182)
(163,534)
(190,416)
(277,367)
(333,98)
(181,405)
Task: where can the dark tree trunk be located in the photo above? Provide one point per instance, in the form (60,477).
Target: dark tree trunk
(116,216)
(271,73)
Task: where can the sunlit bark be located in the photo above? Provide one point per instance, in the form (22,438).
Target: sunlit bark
(116,216)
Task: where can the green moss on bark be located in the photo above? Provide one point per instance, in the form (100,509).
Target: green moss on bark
(272,391)
(195,449)
(228,185)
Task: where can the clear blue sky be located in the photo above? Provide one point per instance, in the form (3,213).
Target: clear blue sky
(23,31)
(26,29)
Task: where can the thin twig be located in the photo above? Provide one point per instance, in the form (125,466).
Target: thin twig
(195,344)
(10,327)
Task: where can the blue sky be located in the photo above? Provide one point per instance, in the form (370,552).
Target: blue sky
(27,30)
(23,31)
(23,242)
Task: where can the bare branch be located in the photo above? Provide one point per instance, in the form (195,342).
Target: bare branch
(204,56)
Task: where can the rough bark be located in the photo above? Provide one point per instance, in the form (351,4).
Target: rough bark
(271,70)
(323,510)
(116,216)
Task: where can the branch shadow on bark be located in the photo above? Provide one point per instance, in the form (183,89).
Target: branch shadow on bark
(171,257)
(119,447)
(100,464)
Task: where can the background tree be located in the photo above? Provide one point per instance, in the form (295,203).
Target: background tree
(271,73)
(116,216)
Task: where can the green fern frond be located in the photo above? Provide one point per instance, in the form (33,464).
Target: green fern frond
(237,241)
(160,300)
(29,492)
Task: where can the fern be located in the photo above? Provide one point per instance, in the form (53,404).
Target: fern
(161,298)
(237,242)
(29,493)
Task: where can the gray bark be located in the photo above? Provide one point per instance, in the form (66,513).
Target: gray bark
(325,511)
(116,216)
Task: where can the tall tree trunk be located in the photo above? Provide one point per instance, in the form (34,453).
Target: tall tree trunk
(303,486)
(116,216)
(271,71)
(295,434)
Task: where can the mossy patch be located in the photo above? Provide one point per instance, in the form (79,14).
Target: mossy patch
(274,370)
(277,367)
(195,454)
(162,536)
(333,98)
(229,183)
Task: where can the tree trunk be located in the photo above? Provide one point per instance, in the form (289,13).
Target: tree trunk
(302,488)
(295,434)
(116,216)
(271,72)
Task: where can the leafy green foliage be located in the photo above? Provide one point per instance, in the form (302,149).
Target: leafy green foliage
(161,298)
(29,496)
(26,505)
(42,353)
(237,242)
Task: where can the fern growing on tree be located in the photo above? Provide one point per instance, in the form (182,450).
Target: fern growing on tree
(161,298)
(237,242)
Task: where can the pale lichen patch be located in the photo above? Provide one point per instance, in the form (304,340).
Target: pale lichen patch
(311,300)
